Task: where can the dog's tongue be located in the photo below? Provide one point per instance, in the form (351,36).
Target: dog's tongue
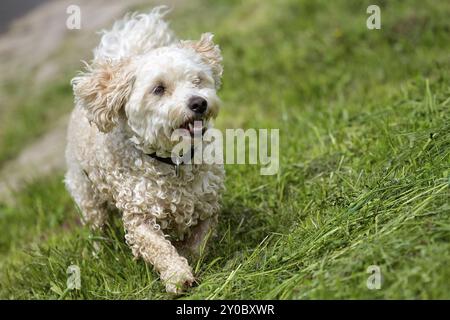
(197,127)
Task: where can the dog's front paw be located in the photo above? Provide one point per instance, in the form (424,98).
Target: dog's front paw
(177,279)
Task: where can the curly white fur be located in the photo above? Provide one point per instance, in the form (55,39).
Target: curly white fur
(118,120)
(135,34)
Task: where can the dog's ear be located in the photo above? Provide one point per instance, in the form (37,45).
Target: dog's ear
(210,54)
(104,88)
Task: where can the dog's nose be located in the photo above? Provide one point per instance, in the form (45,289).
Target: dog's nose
(198,104)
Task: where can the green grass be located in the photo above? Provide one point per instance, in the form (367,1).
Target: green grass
(364,169)
(29,116)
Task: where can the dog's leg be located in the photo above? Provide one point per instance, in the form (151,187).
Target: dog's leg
(154,248)
(93,209)
(196,242)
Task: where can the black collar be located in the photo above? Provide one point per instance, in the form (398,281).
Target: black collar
(169,160)
(161,159)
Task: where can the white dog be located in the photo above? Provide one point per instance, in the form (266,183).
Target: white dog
(142,85)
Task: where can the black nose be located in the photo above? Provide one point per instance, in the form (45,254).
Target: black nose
(197,104)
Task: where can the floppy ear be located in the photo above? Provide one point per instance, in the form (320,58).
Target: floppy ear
(103,89)
(210,54)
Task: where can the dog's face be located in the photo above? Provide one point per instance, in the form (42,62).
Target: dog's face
(173,87)
(156,93)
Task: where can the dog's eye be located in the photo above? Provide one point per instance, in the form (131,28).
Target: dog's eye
(159,90)
(197,81)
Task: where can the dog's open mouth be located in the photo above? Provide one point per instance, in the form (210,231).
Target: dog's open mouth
(195,126)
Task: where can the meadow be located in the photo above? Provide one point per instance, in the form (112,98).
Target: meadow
(364,163)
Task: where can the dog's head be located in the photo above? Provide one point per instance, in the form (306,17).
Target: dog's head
(155,93)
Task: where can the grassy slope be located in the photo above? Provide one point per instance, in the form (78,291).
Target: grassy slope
(364,180)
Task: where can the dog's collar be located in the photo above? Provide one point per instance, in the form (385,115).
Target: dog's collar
(170,161)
